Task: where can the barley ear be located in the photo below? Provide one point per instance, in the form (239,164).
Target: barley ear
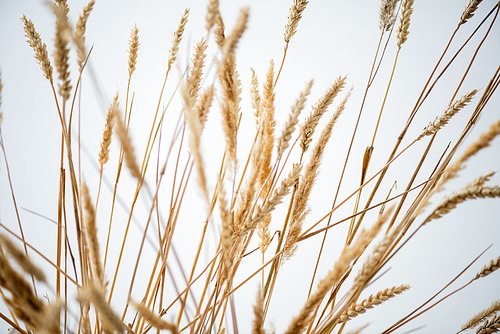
(108,133)
(63,34)
(22,260)
(489,268)
(491,326)
(91,230)
(79,37)
(41,54)
(404,23)
(442,120)
(212,13)
(133,44)
(294,16)
(387,14)
(174,48)
(153,319)
(469,11)
(128,149)
(481,316)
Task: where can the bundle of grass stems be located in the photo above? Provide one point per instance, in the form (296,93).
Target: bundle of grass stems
(264,199)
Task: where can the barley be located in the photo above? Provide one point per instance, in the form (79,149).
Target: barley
(289,126)
(196,68)
(133,48)
(41,54)
(387,14)
(310,174)
(254,93)
(110,321)
(356,309)
(483,315)
(79,37)
(203,105)
(153,319)
(293,20)
(108,133)
(469,11)
(258,311)
(404,23)
(442,120)
(233,39)
(22,259)
(63,33)
(469,192)
(261,212)
(174,47)
(491,326)
(128,149)
(268,122)
(212,13)
(91,229)
(489,268)
(309,126)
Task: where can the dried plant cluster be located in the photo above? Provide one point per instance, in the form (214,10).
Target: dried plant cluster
(252,194)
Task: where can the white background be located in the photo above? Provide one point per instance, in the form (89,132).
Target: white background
(334,38)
